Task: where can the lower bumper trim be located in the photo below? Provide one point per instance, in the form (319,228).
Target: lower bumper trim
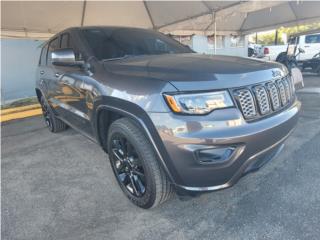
(244,169)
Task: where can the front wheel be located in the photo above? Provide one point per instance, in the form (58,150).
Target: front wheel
(135,165)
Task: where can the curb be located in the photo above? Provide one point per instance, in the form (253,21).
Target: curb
(20,112)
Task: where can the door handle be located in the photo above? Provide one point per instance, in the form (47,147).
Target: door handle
(57,75)
(41,72)
(306,46)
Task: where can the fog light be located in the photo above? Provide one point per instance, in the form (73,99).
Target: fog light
(214,155)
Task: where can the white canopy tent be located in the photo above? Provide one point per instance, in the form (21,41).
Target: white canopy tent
(41,19)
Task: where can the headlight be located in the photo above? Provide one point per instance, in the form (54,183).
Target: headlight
(199,103)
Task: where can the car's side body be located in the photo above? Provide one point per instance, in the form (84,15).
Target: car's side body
(89,99)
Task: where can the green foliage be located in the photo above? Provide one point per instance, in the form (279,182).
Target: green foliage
(268,38)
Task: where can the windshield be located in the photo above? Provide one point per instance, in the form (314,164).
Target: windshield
(111,43)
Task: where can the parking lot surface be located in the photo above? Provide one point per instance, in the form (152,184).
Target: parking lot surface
(61,186)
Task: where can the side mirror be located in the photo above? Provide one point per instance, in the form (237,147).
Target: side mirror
(301,50)
(65,57)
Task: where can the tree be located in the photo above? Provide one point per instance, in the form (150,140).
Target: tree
(268,38)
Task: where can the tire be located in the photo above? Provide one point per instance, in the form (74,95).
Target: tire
(54,124)
(151,178)
(282,58)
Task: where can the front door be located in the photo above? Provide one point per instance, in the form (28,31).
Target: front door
(67,94)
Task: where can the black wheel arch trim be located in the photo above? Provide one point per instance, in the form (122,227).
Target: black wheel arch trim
(141,118)
(42,94)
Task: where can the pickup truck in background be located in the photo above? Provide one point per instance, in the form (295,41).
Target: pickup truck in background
(310,43)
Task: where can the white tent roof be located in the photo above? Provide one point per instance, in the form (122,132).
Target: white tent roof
(41,19)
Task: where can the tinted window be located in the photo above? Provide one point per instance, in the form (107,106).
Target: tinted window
(313,38)
(53,45)
(107,43)
(294,40)
(65,41)
(43,56)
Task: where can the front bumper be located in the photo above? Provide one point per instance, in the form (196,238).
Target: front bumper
(255,143)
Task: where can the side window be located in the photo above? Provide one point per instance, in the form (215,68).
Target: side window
(43,55)
(53,45)
(65,40)
(313,38)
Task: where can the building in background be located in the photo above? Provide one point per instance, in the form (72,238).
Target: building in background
(231,45)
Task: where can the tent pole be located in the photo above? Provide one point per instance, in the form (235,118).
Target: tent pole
(215,35)
(149,14)
(83,12)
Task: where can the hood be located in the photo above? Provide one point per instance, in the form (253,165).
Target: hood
(197,72)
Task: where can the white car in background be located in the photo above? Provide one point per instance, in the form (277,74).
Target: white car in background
(255,50)
(308,42)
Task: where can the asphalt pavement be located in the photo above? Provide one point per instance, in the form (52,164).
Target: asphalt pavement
(61,186)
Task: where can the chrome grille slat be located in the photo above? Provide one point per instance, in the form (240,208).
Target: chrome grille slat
(246,102)
(282,92)
(290,86)
(274,96)
(286,88)
(262,99)
(267,97)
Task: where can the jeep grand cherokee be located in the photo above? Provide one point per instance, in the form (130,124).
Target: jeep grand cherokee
(170,119)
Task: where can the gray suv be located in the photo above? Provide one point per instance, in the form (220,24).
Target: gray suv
(170,119)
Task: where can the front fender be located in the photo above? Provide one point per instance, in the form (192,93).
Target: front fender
(141,118)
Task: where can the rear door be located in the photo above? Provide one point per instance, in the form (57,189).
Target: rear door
(42,70)
(311,46)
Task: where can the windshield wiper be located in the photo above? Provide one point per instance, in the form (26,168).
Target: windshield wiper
(120,58)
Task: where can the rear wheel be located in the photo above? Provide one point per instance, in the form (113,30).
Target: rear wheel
(54,124)
(135,165)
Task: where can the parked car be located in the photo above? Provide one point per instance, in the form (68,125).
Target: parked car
(309,42)
(170,119)
(312,65)
(271,52)
(255,50)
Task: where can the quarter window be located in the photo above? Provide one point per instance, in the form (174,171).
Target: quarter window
(43,56)
(53,45)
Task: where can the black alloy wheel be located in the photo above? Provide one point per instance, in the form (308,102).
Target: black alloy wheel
(127,166)
(135,165)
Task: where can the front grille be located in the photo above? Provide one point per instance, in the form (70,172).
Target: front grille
(259,100)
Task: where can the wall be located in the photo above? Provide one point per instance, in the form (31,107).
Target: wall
(200,45)
(19,60)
